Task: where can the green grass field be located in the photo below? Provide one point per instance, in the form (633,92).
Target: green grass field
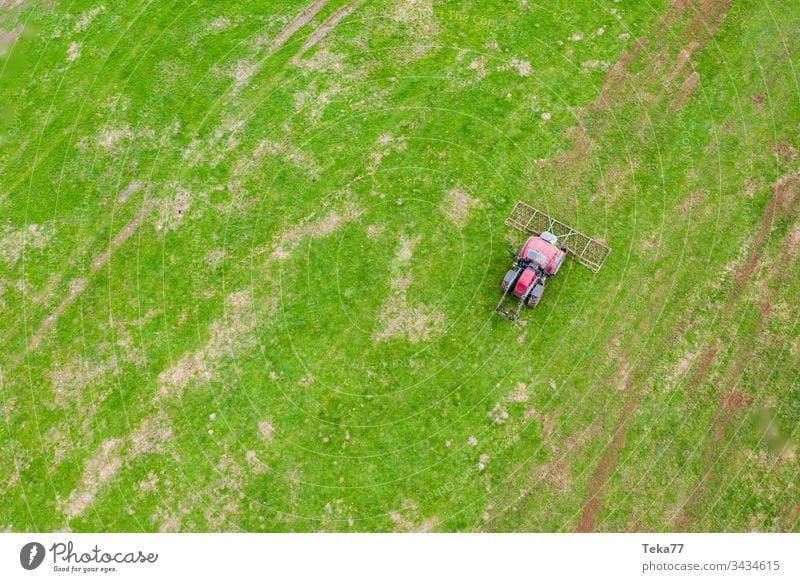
(250,252)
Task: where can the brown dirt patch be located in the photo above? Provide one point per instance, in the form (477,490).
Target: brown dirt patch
(8,38)
(705,363)
(245,69)
(219,499)
(683,58)
(223,496)
(478,64)
(418,18)
(220,23)
(408,519)
(522,67)
(556,474)
(266,431)
(784,152)
(696,29)
(73,52)
(520,393)
(614,82)
(130,189)
(109,139)
(374,231)
(170,213)
(730,403)
(686,90)
(792,242)
(72,381)
(707,16)
(151,436)
(784,200)
(85,20)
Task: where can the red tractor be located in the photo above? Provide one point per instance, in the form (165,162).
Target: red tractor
(542,256)
(538,260)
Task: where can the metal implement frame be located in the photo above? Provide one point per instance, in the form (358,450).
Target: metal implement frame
(586,250)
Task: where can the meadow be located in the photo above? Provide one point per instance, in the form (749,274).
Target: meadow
(250,253)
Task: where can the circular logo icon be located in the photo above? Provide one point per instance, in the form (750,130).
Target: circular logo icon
(31,555)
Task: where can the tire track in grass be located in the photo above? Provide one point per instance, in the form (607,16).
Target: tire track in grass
(326,27)
(703,22)
(783,203)
(78,286)
(606,467)
(299,22)
(730,403)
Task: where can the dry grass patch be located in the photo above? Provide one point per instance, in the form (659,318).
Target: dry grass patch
(152,436)
(266,431)
(231,332)
(457,205)
(98,470)
(296,24)
(15,241)
(399,318)
(310,227)
(386,144)
(77,379)
(418,18)
(408,519)
(171,212)
(289,153)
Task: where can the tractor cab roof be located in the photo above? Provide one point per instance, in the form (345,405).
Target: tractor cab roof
(541,252)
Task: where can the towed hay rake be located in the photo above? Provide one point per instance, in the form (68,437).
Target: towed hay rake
(541,257)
